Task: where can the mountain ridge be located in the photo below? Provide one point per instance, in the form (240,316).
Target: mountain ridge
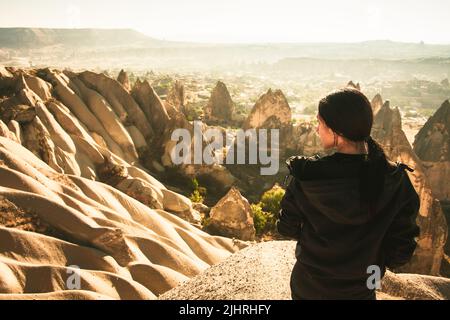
(23,37)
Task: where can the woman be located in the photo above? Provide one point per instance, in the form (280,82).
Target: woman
(352,211)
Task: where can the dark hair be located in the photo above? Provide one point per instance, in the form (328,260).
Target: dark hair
(349,113)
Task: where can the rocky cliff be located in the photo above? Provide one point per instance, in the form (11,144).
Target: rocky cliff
(432,146)
(387,130)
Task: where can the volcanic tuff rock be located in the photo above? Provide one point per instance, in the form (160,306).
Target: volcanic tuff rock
(122,78)
(232,217)
(432,145)
(377,103)
(151,105)
(432,141)
(75,129)
(220,107)
(123,248)
(270,109)
(264,274)
(387,130)
(74,193)
(176,95)
(351,84)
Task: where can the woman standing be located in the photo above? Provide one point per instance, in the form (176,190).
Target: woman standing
(352,212)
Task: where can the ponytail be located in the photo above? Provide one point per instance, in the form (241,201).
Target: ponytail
(372,175)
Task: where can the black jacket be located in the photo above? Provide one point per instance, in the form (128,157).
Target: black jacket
(337,239)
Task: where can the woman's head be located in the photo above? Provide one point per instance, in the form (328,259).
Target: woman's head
(345,118)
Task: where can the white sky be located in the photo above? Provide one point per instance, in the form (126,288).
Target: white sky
(244,20)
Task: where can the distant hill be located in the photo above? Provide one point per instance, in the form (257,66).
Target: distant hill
(19,38)
(31,38)
(377,49)
(107,48)
(360,67)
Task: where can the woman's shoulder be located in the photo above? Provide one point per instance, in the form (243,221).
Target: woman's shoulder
(297,164)
(332,166)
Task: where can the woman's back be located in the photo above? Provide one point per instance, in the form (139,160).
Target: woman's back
(339,238)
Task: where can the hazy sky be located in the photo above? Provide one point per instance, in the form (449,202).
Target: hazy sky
(244,20)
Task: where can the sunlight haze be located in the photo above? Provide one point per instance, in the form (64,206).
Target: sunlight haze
(247,21)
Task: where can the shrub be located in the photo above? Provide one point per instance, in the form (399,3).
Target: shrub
(195,183)
(265,212)
(198,192)
(259,218)
(270,200)
(196,197)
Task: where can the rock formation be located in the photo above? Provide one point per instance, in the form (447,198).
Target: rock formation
(351,84)
(304,140)
(122,78)
(377,103)
(117,176)
(38,86)
(20,113)
(4,72)
(91,126)
(232,217)
(165,118)
(432,145)
(176,96)
(152,106)
(220,107)
(74,193)
(387,130)
(270,111)
(119,99)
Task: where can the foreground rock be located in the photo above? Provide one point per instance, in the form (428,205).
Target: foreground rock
(74,192)
(52,222)
(262,272)
(232,217)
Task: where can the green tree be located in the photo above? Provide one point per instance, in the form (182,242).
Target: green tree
(198,192)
